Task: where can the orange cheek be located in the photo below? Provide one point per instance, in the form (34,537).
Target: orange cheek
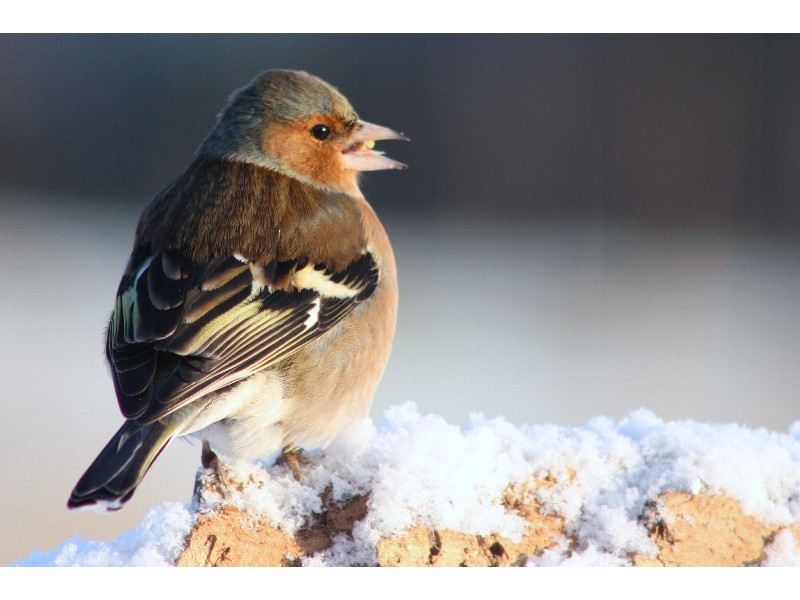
(296,150)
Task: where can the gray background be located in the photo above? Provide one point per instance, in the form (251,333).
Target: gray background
(589,224)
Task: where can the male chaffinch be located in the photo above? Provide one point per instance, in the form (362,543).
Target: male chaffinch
(257,310)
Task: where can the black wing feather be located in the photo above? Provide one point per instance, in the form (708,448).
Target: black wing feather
(181,330)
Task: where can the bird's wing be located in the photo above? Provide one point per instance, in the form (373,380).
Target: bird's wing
(182,329)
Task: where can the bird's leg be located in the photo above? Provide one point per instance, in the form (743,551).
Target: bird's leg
(293,460)
(204,480)
(208,457)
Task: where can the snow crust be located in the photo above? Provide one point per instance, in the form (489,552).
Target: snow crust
(421,470)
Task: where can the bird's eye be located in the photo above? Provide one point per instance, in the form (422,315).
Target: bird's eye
(321,132)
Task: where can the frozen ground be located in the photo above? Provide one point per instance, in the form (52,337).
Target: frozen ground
(423,471)
(538,322)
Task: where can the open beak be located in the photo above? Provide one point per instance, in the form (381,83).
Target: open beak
(360,156)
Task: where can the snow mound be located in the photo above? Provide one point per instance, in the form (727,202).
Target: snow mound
(418,470)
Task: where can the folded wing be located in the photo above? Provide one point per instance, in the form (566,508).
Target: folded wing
(182,329)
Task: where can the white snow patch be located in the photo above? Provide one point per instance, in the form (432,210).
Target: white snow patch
(420,470)
(782,552)
(157,542)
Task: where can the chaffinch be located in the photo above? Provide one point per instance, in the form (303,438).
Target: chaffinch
(257,310)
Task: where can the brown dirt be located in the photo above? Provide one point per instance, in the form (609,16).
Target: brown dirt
(688,530)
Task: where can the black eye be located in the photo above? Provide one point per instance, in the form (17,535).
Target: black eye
(321,132)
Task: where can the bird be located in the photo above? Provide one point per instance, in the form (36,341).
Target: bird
(257,310)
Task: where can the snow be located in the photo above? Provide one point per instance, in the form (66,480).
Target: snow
(422,470)
(157,542)
(782,552)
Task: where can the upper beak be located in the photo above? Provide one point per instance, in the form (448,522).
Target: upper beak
(360,155)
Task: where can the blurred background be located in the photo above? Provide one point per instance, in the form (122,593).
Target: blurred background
(590,224)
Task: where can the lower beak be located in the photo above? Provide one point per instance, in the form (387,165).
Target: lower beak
(360,156)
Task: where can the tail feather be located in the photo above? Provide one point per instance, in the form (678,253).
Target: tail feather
(113,476)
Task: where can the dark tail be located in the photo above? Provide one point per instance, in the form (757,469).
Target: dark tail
(113,476)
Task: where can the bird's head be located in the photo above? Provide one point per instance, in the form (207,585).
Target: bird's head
(299,125)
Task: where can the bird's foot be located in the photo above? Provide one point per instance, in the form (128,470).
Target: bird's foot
(212,477)
(295,460)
